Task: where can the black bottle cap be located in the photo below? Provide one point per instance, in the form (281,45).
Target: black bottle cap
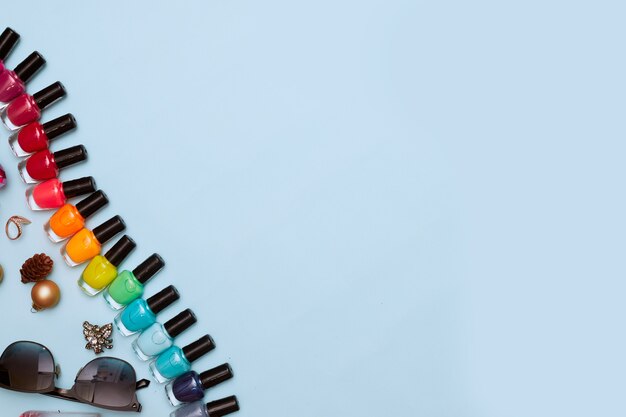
(58,126)
(79,187)
(70,156)
(91,204)
(223,407)
(108,229)
(215,376)
(159,301)
(29,67)
(198,348)
(120,250)
(148,268)
(8,39)
(180,322)
(49,95)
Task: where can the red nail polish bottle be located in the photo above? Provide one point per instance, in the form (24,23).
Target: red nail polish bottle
(45,165)
(53,193)
(13,83)
(8,39)
(35,136)
(26,108)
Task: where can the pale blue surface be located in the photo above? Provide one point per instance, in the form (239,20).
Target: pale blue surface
(376,208)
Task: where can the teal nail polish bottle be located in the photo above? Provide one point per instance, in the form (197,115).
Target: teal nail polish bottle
(176,361)
(141,314)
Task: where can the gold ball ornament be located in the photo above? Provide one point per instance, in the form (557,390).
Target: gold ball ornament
(45,294)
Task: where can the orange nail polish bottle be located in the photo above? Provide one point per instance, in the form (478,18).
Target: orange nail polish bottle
(70,219)
(86,244)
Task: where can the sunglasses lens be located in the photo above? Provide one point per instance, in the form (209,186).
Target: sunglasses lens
(27,366)
(107,382)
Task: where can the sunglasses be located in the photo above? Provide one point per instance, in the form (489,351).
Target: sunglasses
(104,382)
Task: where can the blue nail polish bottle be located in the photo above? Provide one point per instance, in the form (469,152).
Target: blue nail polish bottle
(141,314)
(217,408)
(190,386)
(176,361)
(159,337)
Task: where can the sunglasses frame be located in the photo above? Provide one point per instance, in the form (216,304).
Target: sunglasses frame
(70,394)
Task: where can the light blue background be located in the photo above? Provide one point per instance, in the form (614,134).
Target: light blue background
(391,208)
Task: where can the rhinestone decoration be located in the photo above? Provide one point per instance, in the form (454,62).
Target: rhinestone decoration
(98,338)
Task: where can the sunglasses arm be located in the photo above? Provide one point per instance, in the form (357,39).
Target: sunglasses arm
(142,383)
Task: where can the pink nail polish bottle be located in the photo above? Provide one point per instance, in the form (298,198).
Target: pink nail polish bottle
(13,83)
(26,108)
(53,193)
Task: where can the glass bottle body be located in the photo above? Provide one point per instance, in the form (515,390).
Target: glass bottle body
(186,388)
(98,274)
(136,317)
(123,290)
(152,342)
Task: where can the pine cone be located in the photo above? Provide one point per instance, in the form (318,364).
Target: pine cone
(36,268)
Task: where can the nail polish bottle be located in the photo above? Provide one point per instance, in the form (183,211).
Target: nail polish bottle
(190,386)
(159,337)
(13,83)
(26,109)
(176,361)
(128,286)
(8,39)
(141,314)
(70,219)
(86,244)
(102,270)
(53,193)
(217,408)
(36,137)
(46,164)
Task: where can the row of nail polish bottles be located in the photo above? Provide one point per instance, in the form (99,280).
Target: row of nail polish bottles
(13,82)
(120,289)
(21,112)
(86,245)
(68,222)
(156,340)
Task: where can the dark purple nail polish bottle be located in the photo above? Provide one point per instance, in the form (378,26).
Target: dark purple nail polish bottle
(190,386)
